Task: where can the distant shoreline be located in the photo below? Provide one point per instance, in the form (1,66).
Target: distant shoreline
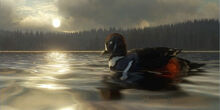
(187,51)
(50,51)
(210,51)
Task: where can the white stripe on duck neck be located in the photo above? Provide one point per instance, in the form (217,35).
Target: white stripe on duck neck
(114,60)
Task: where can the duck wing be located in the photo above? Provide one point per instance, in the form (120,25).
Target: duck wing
(154,58)
(158,51)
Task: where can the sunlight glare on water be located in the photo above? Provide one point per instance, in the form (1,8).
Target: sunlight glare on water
(69,108)
(57,62)
(51,86)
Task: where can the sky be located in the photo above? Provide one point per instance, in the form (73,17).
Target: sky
(79,15)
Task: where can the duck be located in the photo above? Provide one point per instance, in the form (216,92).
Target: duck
(159,62)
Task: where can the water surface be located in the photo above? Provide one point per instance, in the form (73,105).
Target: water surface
(71,81)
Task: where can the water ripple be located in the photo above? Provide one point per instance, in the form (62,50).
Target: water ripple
(71,81)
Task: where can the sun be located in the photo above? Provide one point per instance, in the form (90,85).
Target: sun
(56,23)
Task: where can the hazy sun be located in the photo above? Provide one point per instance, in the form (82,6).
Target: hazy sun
(56,23)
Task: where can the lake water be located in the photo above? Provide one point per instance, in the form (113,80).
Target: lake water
(71,81)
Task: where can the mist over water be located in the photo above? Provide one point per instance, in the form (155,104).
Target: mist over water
(71,81)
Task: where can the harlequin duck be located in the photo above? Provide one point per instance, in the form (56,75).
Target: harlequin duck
(161,61)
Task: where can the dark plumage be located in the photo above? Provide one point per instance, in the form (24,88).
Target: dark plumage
(161,61)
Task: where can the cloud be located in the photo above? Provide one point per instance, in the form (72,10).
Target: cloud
(27,15)
(78,15)
(87,14)
(39,23)
(7,14)
(37,15)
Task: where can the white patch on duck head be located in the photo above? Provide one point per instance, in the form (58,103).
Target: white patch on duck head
(112,62)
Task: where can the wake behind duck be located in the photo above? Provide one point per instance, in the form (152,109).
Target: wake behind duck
(148,67)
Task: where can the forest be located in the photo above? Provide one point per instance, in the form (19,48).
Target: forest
(190,35)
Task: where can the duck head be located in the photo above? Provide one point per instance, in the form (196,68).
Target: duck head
(115,45)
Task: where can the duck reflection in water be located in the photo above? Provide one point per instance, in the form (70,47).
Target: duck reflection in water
(142,81)
(110,93)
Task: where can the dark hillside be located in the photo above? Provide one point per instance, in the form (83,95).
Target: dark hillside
(191,35)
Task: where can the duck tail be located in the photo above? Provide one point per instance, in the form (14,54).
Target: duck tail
(191,65)
(195,65)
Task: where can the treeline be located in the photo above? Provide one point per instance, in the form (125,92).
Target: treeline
(190,35)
